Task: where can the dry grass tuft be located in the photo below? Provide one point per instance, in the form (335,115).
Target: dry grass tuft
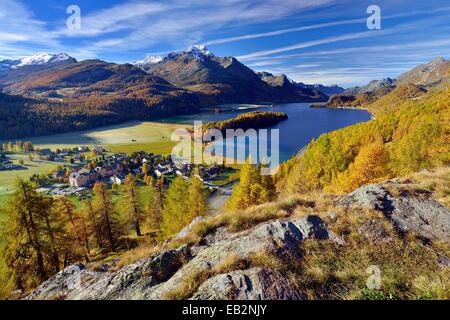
(239,220)
(188,286)
(328,270)
(266,260)
(233,262)
(435,181)
(143,251)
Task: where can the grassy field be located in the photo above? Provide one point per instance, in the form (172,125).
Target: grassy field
(145,195)
(7,178)
(126,137)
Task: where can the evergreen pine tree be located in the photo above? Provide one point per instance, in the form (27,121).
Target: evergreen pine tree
(370,166)
(268,192)
(248,192)
(153,212)
(93,225)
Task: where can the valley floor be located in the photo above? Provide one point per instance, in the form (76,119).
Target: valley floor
(126,137)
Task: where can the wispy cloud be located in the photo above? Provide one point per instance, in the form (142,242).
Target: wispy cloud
(133,25)
(403,47)
(120,17)
(18,26)
(319,26)
(404,27)
(129,29)
(189,20)
(283,31)
(308,44)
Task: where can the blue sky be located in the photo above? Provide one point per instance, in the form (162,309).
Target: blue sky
(314,41)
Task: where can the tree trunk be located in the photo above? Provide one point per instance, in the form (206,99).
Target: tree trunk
(108,224)
(33,235)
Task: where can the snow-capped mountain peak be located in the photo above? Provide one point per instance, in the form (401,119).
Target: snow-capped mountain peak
(38,59)
(200,51)
(148,60)
(42,58)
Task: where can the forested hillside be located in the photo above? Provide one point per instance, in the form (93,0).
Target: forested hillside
(41,235)
(86,95)
(254,120)
(433,76)
(408,134)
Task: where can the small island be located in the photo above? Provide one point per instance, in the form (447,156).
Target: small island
(250,120)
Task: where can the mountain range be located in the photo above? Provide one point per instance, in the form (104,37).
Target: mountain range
(63,94)
(38,59)
(430,76)
(219,79)
(223,79)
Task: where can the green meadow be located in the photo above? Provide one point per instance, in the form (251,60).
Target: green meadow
(32,167)
(118,196)
(126,137)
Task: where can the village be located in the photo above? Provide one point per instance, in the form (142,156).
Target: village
(78,169)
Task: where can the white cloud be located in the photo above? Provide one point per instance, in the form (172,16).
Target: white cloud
(405,27)
(120,17)
(185,22)
(403,49)
(319,26)
(17,24)
(307,44)
(283,31)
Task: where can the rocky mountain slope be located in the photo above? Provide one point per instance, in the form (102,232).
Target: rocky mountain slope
(271,252)
(429,76)
(13,71)
(326,90)
(291,89)
(224,79)
(373,85)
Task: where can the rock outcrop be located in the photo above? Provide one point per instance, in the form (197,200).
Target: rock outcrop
(76,282)
(250,284)
(157,276)
(424,217)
